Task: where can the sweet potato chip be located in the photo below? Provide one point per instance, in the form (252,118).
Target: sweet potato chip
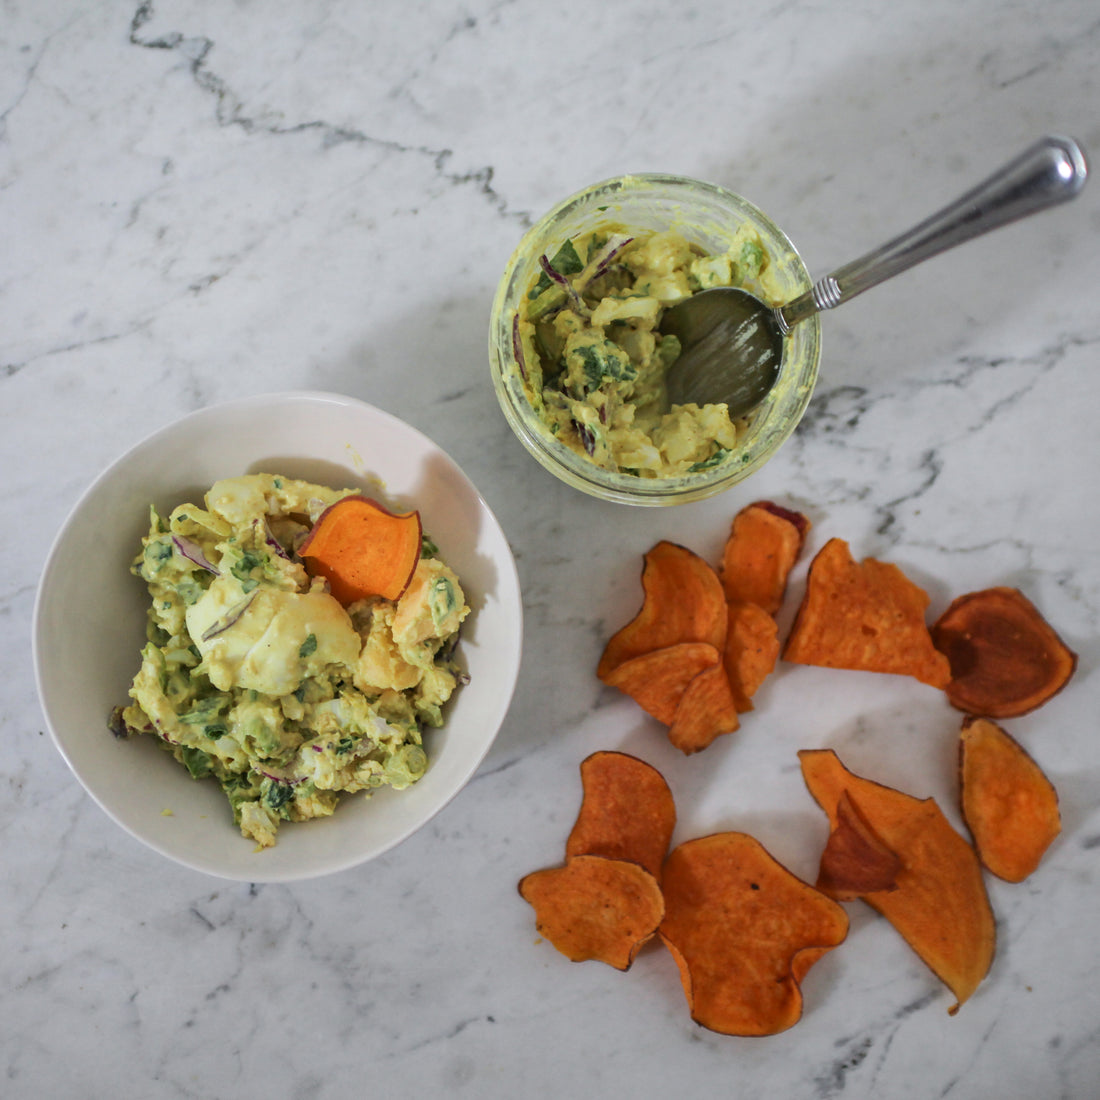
(1005,658)
(763,544)
(363,549)
(856,860)
(595,908)
(1009,805)
(752,648)
(939,905)
(865,615)
(743,931)
(657,680)
(705,711)
(627,812)
(683,602)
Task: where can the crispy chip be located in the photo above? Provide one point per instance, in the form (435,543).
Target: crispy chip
(751,651)
(1005,658)
(939,905)
(865,615)
(743,931)
(856,859)
(657,681)
(595,908)
(763,544)
(705,711)
(1009,805)
(683,602)
(627,812)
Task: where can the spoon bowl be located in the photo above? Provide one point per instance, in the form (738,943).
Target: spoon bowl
(732,343)
(715,327)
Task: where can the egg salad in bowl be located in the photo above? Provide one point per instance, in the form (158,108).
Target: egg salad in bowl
(401,520)
(254,674)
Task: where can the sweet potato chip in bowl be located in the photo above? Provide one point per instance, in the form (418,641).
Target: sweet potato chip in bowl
(90,622)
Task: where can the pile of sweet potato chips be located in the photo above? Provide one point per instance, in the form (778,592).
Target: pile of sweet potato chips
(743,930)
(703,643)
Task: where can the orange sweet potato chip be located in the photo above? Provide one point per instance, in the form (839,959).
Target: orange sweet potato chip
(363,549)
(627,812)
(743,931)
(856,860)
(865,615)
(683,602)
(1009,805)
(751,650)
(595,908)
(705,711)
(939,905)
(763,544)
(1005,658)
(657,680)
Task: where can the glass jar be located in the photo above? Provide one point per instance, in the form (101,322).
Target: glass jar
(708,216)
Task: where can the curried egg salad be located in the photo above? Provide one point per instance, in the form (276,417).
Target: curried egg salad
(592,358)
(255,675)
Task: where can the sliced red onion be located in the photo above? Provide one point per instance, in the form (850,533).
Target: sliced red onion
(517,348)
(193,552)
(608,254)
(587,436)
(227,620)
(280,776)
(563,282)
(272,542)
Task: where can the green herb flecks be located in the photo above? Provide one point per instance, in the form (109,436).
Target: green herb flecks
(566,261)
(597,364)
(198,763)
(242,569)
(720,455)
(751,260)
(205,710)
(276,795)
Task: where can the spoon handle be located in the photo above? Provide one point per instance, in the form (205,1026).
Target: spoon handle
(1045,174)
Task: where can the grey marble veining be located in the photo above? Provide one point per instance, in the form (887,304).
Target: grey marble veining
(201,200)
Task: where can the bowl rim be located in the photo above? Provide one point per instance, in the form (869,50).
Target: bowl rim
(572,468)
(509,584)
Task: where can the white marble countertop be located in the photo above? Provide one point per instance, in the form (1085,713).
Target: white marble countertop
(203,200)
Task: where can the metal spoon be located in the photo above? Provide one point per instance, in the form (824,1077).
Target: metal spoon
(733,342)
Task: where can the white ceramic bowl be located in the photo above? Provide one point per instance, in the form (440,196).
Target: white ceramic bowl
(90,625)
